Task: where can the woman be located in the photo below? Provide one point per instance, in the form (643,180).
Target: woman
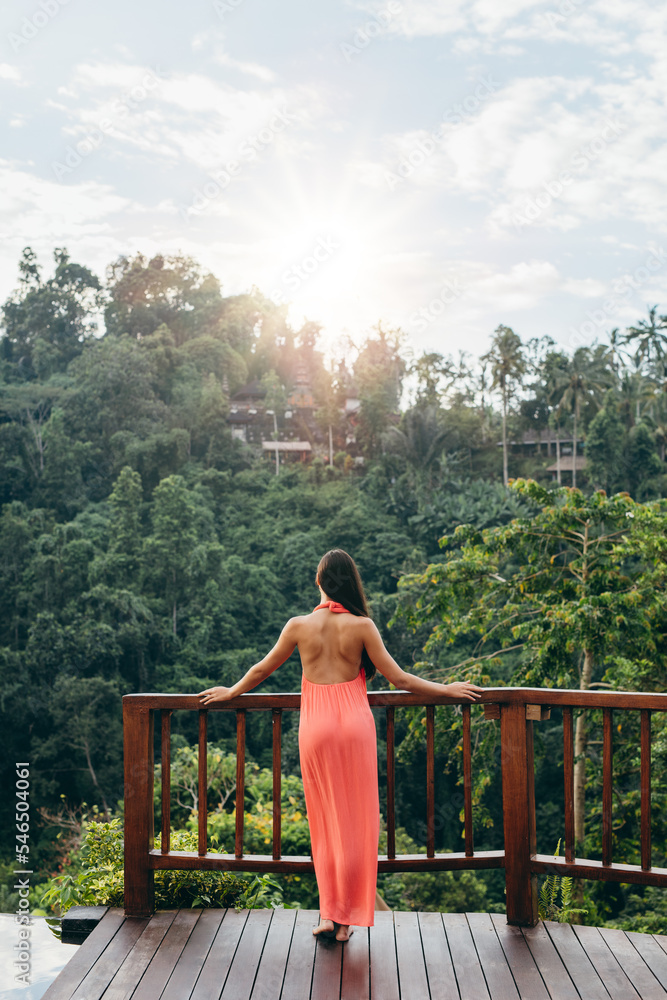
(340,648)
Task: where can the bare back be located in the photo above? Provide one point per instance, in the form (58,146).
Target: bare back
(330,646)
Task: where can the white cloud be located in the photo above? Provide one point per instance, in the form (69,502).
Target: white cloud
(523,286)
(546,152)
(40,207)
(214,39)
(477,26)
(489,16)
(584,288)
(251,69)
(43,214)
(184,117)
(9,72)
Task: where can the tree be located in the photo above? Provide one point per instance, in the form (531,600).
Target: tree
(420,439)
(605,443)
(656,418)
(126,535)
(564,594)
(616,339)
(650,339)
(330,394)
(112,390)
(507,367)
(378,371)
(430,371)
(275,402)
(166,290)
(547,367)
(48,322)
(635,388)
(582,382)
(28,405)
(173,540)
(19,527)
(643,463)
(86,735)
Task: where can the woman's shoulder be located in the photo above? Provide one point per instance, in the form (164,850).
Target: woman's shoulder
(293,623)
(358,621)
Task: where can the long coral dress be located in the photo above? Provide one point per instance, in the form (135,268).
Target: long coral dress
(338,751)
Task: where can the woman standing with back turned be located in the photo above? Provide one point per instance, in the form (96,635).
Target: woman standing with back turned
(340,648)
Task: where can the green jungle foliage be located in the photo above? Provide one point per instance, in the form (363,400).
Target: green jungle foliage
(94,877)
(145,547)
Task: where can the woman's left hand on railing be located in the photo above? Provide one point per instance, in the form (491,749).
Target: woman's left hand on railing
(215,694)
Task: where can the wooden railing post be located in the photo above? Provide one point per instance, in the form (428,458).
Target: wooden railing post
(138,750)
(516,733)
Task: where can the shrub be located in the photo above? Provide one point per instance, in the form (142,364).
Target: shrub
(100,881)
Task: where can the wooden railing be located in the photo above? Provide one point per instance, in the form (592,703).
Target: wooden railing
(516,708)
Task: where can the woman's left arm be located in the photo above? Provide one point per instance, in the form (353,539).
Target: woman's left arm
(259,671)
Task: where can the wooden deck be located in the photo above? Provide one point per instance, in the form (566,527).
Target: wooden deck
(272,954)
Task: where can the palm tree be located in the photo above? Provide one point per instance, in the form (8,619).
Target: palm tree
(421,437)
(329,393)
(583,381)
(507,366)
(275,402)
(655,415)
(616,338)
(434,374)
(651,339)
(551,373)
(635,389)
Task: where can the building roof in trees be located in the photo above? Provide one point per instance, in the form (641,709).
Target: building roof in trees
(286,446)
(566,464)
(241,417)
(252,391)
(545,436)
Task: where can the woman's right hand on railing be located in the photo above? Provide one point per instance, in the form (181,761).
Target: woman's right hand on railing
(211,695)
(464,689)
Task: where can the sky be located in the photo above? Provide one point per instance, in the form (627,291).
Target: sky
(441,167)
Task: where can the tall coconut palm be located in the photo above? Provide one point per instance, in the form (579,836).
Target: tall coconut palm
(650,339)
(552,373)
(275,402)
(584,380)
(616,340)
(635,389)
(655,415)
(421,438)
(507,366)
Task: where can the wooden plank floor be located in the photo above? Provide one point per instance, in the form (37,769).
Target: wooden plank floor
(272,955)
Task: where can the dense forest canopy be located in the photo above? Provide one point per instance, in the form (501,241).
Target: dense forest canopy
(148,543)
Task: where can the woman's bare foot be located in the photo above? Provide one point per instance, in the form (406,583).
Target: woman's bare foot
(343,933)
(324,927)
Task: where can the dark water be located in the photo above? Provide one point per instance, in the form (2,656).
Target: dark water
(47,957)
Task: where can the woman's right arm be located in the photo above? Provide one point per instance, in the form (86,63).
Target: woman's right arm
(400,678)
(283,649)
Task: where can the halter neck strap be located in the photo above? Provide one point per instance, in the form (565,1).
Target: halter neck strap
(332,606)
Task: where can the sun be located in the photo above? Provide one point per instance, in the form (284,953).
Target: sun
(328,249)
(321,265)
(320,253)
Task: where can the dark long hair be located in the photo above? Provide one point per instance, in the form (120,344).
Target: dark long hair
(339,579)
